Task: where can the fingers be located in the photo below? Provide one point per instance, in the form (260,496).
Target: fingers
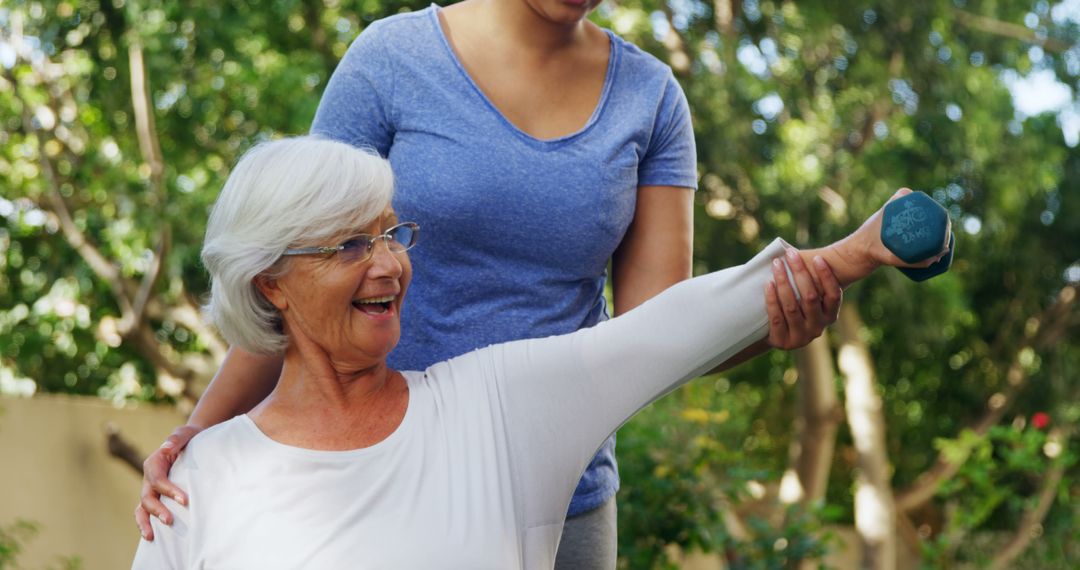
(155,507)
(795,321)
(832,294)
(156,481)
(156,467)
(778,330)
(787,322)
(788,303)
(900,194)
(924,263)
(142,520)
(809,292)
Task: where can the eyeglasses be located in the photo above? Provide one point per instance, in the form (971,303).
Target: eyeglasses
(360,247)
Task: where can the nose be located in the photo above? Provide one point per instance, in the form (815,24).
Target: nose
(385,263)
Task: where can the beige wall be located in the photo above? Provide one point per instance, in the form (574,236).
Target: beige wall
(55,470)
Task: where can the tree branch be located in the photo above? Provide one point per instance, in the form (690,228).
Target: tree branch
(98,263)
(150,148)
(906,531)
(152,275)
(162,357)
(733,523)
(185,312)
(1009,30)
(122,449)
(161,354)
(145,127)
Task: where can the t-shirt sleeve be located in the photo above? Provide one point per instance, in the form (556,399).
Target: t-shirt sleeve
(357,105)
(671,158)
(564,395)
(170,548)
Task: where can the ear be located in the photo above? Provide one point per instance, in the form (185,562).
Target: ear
(270,288)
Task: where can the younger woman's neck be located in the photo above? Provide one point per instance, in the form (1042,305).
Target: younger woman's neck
(518,24)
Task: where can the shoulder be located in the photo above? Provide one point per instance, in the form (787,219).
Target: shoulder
(405,27)
(214,443)
(390,41)
(644,83)
(639,64)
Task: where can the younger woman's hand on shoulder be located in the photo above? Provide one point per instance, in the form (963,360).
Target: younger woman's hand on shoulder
(795,320)
(156,481)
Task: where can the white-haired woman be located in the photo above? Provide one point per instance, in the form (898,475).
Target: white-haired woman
(468,464)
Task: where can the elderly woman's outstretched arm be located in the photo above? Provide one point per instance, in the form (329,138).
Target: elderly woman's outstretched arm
(560,397)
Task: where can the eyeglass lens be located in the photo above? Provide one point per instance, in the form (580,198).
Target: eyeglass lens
(398,239)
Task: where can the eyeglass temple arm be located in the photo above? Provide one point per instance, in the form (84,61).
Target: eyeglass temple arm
(325,250)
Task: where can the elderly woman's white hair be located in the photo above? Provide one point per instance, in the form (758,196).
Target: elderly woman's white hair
(292,192)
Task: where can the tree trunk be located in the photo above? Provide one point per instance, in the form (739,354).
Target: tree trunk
(875,513)
(818,416)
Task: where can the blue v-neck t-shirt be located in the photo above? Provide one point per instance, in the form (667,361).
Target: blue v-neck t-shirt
(516,231)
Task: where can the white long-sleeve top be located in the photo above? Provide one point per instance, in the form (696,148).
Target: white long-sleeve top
(481,469)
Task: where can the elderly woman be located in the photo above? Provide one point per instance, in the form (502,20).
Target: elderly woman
(468,464)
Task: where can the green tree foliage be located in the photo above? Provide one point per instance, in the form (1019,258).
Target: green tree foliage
(14,536)
(92,219)
(808,115)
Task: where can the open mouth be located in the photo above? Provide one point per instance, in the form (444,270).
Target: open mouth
(375,305)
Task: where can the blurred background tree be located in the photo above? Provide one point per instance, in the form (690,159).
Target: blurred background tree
(939,418)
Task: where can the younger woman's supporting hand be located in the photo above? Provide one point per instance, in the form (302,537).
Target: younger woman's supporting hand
(156,480)
(800,307)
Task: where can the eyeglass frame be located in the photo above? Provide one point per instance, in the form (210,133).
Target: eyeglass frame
(330,250)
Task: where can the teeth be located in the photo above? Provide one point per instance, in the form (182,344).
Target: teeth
(385,299)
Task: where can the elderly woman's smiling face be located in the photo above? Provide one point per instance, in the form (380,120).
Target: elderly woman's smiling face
(344,304)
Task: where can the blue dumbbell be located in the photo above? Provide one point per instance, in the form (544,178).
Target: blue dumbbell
(916,228)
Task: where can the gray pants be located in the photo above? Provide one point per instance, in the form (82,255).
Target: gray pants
(589,540)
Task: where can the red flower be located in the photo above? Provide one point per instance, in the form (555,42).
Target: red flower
(1039,420)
